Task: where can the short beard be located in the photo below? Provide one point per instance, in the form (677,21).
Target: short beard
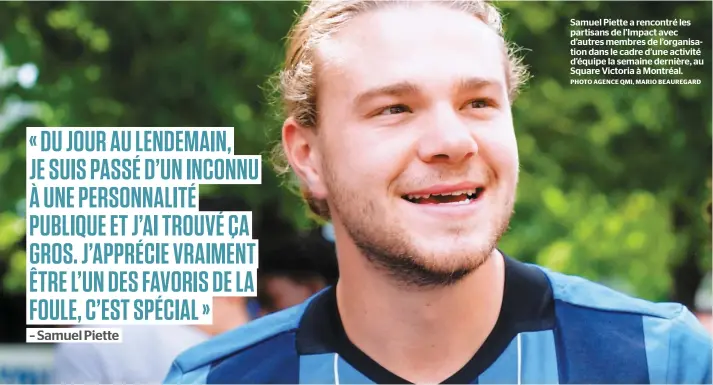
(407,272)
(391,254)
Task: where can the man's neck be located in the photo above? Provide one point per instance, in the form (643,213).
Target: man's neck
(421,336)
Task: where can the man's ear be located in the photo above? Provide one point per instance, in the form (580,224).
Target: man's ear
(301,148)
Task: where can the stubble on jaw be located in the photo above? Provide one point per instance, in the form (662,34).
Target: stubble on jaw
(391,253)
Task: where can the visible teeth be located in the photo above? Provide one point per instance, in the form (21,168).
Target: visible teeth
(463,202)
(460,192)
(455,193)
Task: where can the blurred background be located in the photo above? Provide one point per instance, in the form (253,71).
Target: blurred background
(615,184)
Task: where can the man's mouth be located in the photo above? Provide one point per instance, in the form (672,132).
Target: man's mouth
(461,197)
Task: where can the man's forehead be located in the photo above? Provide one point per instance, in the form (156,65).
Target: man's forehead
(404,44)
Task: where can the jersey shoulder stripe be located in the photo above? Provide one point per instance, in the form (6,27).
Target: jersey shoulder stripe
(208,355)
(584,293)
(636,341)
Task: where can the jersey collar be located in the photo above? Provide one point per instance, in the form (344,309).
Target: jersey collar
(528,305)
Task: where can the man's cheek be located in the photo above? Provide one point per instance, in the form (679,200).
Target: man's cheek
(500,152)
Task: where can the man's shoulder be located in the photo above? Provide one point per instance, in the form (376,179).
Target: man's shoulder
(672,337)
(585,294)
(249,343)
(590,297)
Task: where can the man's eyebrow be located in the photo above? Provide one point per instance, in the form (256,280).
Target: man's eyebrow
(406,88)
(477,83)
(396,89)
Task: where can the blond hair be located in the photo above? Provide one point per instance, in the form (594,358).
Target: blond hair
(295,84)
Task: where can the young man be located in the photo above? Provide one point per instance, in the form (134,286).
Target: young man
(400,130)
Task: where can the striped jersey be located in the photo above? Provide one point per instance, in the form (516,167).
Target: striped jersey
(552,329)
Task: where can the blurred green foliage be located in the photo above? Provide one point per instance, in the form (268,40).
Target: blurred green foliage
(615,180)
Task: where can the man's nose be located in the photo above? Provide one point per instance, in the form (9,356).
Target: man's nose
(447,138)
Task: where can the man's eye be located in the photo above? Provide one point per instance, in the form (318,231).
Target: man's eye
(393,110)
(479,103)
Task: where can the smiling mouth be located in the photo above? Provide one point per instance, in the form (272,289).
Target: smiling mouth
(462,197)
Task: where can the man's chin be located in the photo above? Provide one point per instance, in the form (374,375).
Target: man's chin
(453,254)
(425,261)
(452,238)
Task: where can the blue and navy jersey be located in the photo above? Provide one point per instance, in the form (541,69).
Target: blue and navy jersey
(552,329)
